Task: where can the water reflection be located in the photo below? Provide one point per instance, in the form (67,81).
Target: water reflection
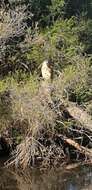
(10,180)
(7,181)
(76,179)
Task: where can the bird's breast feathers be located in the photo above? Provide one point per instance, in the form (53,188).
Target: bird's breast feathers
(46,72)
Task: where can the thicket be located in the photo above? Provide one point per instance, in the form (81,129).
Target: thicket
(30,32)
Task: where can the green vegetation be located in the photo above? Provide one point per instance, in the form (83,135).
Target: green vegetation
(30,32)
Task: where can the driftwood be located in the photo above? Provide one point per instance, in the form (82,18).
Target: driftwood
(87,152)
(80,115)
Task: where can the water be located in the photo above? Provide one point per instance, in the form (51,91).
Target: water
(74,179)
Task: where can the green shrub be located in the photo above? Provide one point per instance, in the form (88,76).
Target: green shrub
(73,82)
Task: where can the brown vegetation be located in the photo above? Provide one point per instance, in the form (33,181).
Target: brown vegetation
(49,141)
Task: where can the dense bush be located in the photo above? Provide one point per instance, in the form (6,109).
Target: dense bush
(34,30)
(31,31)
(73,82)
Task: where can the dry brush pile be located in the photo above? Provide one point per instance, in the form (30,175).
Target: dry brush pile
(53,136)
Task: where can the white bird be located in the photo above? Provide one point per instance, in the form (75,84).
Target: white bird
(47,70)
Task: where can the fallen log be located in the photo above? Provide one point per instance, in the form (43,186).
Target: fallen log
(87,152)
(80,115)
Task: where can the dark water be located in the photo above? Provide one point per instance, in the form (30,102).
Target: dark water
(74,179)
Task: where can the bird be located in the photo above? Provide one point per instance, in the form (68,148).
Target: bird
(47,70)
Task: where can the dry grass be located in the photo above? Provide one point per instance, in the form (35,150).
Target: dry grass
(36,109)
(36,104)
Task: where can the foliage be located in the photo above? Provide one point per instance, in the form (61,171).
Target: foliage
(30,32)
(73,84)
(80,8)
(85,35)
(34,30)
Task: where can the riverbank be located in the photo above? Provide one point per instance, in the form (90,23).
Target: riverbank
(45,82)
(42,128)
(59,140)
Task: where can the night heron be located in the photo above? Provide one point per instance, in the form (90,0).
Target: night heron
(47,70)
